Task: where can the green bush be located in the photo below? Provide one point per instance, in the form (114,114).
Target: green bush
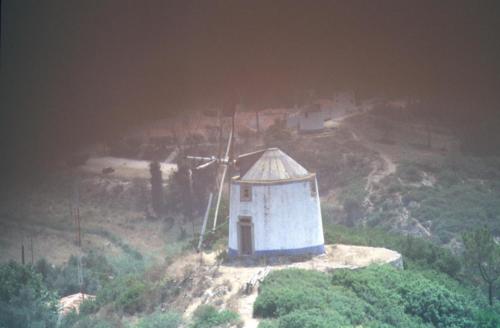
(25,301)
(126,264)
(69,320)
(313,318)
(89,306)
(436,304)
(206,316)
(83,320)
(160,320)
(90,322)
(488,317)
(64,279)
(126,293)
(377,296)
(411,293)
(280,295)
(268,324)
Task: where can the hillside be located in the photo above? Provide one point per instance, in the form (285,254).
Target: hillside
(385,179)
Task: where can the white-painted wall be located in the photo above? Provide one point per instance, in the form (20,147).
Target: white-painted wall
(285,216)
(313,121)
(292,121)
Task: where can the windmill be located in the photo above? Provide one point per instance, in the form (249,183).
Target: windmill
(225,160)
(274,205)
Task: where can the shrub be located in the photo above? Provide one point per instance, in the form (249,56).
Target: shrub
(89,322)
(160,320)
(206,316)
(411,293)
(25,301)
(89,306)
(268,324)
(69,320)
(64,279)
(83,320)
(378,296)
(281,295)
(129,299)
(313,318)
(125,292)
(436,304)
(488,317)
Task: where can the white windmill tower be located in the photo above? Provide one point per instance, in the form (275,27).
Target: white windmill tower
(274,206)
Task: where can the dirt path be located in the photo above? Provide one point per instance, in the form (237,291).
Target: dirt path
(126,168)
(381,169)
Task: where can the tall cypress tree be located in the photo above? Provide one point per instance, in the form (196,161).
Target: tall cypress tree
(156,187)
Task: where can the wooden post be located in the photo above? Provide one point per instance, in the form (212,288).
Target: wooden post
(32,256)
(257,121)
(76,212)
(79,240)
(205,219)
(22,252)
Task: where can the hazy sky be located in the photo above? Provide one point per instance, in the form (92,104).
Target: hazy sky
(77,68)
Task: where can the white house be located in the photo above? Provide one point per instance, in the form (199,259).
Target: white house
(309,119)
(312,119)
(274,207)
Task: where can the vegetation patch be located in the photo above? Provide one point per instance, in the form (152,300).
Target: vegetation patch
(458,207)
(466,194)
(25,301)
(126,293)
(64,279)
(207,316)
(378,296)
(160,320)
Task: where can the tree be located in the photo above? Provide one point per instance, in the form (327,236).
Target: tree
(482,254)
(180,189)
(156,187)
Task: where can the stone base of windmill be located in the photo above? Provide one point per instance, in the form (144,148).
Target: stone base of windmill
(243,275)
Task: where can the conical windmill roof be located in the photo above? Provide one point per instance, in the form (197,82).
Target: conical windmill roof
(275,165)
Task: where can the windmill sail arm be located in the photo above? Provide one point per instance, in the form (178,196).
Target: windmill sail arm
(229,143)
(204,165)
(201,158)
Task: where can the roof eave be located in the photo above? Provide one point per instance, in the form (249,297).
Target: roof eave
(238,180)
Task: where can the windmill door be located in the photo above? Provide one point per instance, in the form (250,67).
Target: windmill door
(245,236)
